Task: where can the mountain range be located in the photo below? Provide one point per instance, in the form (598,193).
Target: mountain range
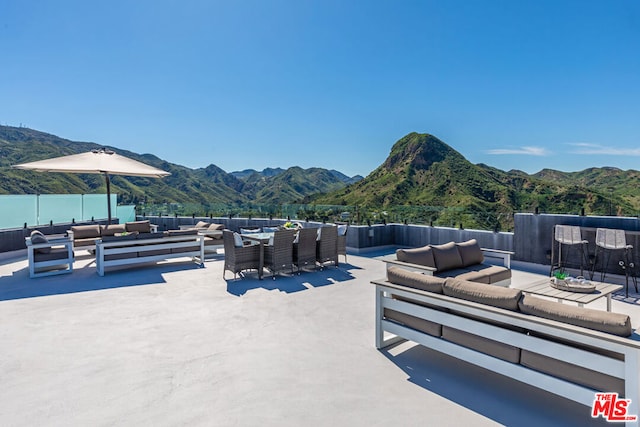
(206,186)
(423,179)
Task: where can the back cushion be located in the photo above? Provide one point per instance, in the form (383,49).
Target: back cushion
(139,226)
(202,224)
(446,256)
(495,296)
(112,229)
(605,321)
(413,279)
(214,227)
(470,253)
(422,256)
(86,231)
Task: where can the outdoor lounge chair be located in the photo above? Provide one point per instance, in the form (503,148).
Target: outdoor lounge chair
(49,256)
(239,257)
(279,255)
(327,245)
(304,250)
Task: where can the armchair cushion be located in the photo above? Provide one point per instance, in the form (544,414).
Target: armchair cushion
(36,238)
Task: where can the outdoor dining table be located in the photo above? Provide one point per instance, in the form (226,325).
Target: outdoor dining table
(263,240)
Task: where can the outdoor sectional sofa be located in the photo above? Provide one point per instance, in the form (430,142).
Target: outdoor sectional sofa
(85,236)
(138,248)
(571,351)
(465,261)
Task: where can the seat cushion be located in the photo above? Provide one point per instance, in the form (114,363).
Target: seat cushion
(484,273)
(604,321)
(446,256)
(414,279)
(189,232)
(413,322)
(570,372)
(421,256)
(53,254)
(482,344)
(86,231)
(495,296)
(37,238)
(470,252)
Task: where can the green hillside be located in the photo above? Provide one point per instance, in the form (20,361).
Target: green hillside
(421,170)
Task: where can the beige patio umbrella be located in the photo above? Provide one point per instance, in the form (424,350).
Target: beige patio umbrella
(102,161)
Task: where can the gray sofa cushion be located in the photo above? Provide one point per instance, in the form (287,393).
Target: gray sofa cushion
(416,280)
(53,254)
(495,296)
(86,231)
(112,229)
(413,322)
(120,238)
(570,372)
(421,256)
(189,232)
(446,256)
(139,226)
(484,345)
(202,224)
(470,253)
(604,321)
(483,273)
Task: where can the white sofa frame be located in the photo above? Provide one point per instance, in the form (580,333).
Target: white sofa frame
(143,245)
(504,256)
(48,266)
(629,347)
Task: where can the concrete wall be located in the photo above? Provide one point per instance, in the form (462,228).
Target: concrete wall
(13,239)
(533,236)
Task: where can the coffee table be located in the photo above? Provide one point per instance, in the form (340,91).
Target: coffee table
(543,287)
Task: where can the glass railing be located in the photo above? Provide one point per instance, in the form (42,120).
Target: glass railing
(428,215)
(33,210)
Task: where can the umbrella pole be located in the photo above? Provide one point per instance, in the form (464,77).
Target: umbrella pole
(106,176)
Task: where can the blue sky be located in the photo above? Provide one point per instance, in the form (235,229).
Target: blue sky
(334,84)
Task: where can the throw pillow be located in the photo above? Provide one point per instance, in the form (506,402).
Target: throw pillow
(36,238)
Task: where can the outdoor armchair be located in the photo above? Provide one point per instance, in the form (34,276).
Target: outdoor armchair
(49,256)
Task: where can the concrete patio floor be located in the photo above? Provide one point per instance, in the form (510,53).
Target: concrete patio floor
(175,344)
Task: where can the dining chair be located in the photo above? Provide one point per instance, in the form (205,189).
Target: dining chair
(304,249)
(327,245)
(237,255)
(278,256)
